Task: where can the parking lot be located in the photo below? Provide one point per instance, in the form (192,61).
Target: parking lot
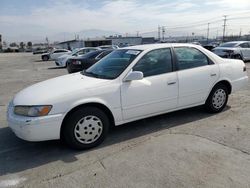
(188,148)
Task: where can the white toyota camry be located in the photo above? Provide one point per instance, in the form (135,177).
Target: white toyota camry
(129,84)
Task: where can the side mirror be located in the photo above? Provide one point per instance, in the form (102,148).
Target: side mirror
(134,75)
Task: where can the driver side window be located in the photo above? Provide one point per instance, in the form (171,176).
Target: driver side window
(155,62)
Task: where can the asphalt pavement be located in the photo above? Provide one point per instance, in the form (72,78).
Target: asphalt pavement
(187,148)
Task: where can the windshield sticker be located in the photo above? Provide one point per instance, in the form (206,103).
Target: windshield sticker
(133,52)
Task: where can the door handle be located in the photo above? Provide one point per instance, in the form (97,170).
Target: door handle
(172,83)
(213,74)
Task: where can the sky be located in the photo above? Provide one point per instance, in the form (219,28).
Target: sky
(23,20)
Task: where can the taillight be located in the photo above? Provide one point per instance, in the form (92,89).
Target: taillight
(228,51)
(244,69)
(76,62)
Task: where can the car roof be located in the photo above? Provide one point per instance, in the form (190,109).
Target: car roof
(160,45)
(238,42)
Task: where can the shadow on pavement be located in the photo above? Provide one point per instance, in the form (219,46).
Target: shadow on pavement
(50,68)
(17,155)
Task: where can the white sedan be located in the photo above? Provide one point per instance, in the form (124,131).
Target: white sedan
(129,84)
(62,60)
(54,54)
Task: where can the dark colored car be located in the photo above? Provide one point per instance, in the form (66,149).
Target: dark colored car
(77,64)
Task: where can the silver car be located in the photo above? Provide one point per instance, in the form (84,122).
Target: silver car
(234,50)
(61,61)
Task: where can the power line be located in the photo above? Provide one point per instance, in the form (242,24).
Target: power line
(199,24)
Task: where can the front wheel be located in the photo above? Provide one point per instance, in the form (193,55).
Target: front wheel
(45,58)
(217,99)
(85,128)
(238,56)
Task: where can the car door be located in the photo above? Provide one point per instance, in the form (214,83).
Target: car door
(156,92)
(56,54)
(196,74)
(245,50)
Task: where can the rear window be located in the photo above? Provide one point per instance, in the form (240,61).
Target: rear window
(229,44)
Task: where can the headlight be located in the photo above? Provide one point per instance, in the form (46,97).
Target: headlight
(32,111)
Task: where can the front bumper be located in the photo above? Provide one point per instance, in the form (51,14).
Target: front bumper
(59,63)
(35,128)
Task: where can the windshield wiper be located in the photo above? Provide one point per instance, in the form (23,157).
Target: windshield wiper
(90,74)
(95,75)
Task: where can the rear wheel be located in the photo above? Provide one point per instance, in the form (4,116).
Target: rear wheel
(85,128)
(217,99)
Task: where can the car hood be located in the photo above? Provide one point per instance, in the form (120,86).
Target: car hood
(58,89)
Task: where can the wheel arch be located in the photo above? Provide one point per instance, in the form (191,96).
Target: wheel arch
(225,82)
(101,106)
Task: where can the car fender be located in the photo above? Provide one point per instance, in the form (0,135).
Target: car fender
(116,112)
(219,80)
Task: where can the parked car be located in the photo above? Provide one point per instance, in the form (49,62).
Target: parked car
(234,50)
(109,47)
(61,61)
(211,46)
(77,64)
(39,51)
(129,84)
(54,54)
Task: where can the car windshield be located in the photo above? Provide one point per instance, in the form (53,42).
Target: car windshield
(111,66)
(229,44)
(75,50)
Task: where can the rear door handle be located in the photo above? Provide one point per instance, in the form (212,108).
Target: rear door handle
(171,82)
(213,74)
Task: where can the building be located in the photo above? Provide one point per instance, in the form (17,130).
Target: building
(71,44)
(97,42)
(125,41)
(148,40)
(112,40)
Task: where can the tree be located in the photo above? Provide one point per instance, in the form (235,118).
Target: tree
(22,44)
(13,44)
(29,44)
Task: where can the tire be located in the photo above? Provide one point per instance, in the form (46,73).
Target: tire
(217,99)
(85,128)
(45,58)
(238,56)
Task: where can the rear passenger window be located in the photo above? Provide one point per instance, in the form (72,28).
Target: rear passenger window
(190,58)
(60,51)
(244,45)
(155,62)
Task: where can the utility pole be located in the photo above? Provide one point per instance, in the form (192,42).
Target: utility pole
(137,33)
(163,33)
(224,27)
(208,32)
(159,33)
